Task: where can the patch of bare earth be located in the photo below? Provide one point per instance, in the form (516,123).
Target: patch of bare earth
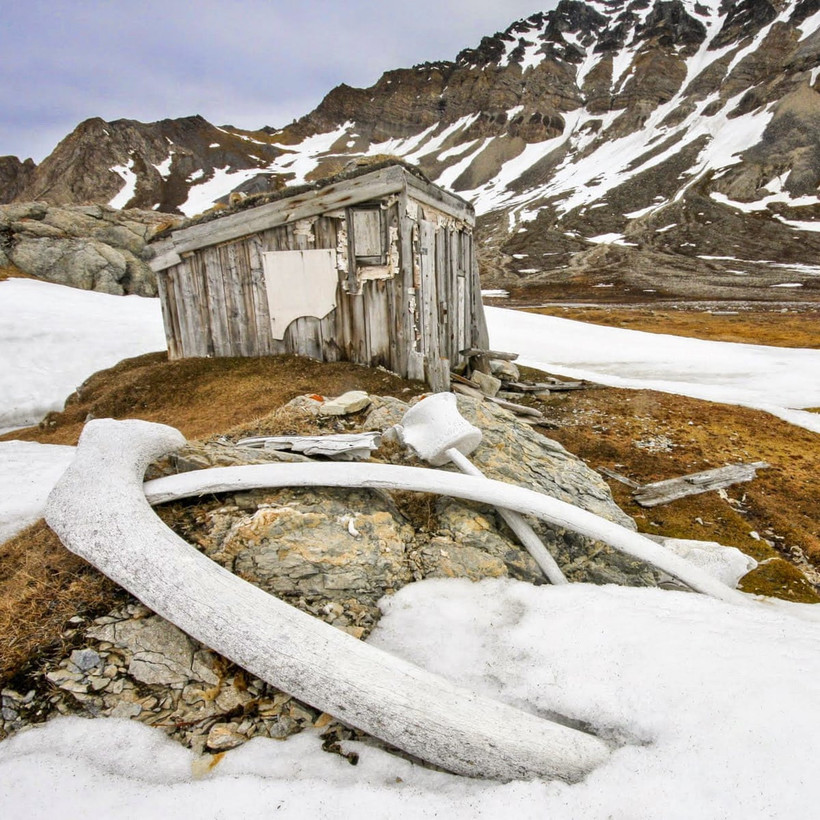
(648,436)
(778,326)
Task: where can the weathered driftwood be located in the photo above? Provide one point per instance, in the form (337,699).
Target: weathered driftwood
(524,387)
(341,446)
(519,409)
(556,386)
(472,352)
(99,510)
(532,413)
(618,477)
(662,492)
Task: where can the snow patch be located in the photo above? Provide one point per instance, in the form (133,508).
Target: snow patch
(52,338)
(656,670)
(777,380)
(125,193)
(28,471)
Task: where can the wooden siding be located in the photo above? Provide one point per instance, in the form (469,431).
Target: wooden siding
(414,318)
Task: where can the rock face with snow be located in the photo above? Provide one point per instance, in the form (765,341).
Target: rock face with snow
(660,147)
(129,164)
(94,247)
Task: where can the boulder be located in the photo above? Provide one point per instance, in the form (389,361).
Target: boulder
(91,247)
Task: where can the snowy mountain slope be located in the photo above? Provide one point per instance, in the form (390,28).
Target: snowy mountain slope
(663,146)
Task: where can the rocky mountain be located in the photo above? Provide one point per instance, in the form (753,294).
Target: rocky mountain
(129,164)
(613,149)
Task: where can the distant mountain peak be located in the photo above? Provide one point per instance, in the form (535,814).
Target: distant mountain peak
(654,141)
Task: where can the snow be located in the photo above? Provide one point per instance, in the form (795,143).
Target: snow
(800,224)
(727,564)
(127,192)
(305,156)
(451,174)
(779,196)
(202,196)
(164,167)
(608,239)
(809,25)
(710,710)
(28,471)
(533,56)
(777,380)
(53,337)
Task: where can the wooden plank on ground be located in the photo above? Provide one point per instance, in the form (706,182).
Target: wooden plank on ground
(662,492)
(490,354)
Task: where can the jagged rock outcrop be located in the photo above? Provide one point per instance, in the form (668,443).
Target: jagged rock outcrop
(93,247)
(14,175)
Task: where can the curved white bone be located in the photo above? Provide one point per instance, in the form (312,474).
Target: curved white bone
(420,479)
(99,511)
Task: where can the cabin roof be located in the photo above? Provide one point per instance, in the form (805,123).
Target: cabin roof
(257,213)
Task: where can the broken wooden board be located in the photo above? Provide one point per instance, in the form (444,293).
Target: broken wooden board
(662,492)
(618,477)
(340,447)
(470,352)
(518,409)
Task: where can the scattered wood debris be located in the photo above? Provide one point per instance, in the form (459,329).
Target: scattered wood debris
(491,375)
(340,447)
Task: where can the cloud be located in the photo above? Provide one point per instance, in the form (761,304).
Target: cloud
(249,63)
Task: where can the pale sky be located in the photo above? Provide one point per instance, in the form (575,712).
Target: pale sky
(247,63)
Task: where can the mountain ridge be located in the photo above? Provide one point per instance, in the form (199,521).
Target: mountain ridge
(659,148)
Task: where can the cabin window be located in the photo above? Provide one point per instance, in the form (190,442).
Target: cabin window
(369,243)
(299,283)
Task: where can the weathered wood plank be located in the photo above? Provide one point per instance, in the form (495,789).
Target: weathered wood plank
(662,492)
(264,338)
(469,352)
(190,331)
(377,322)
(302,206)
(618,477)
(169,321)
(216,301)
(437,368)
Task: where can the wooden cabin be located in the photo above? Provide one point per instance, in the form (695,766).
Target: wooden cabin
(377,268)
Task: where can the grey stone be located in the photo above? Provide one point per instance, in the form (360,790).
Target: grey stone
(350,402)
(488,385)
(223,736)
(503,369)
(85,659)
(160,653)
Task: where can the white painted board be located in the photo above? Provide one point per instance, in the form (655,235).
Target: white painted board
(299,283)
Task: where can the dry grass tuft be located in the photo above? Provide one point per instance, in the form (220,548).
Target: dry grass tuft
(42,585)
